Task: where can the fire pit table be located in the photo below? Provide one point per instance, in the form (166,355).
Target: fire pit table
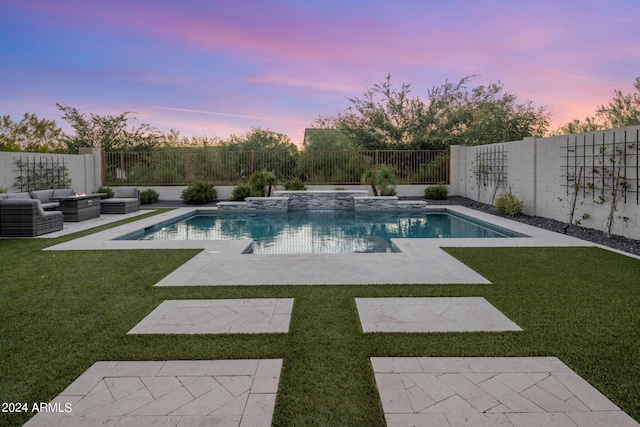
(80,207)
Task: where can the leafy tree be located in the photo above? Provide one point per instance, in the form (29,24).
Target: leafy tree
(589,124)
(326,138)
(481,115)
(383,118)
(389,118)
(260,139)
(174,140)
(30,134)
(623,110)
(109,132)
(262,149)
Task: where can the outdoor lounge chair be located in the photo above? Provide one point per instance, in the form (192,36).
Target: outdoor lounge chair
(125,200)
(27,218)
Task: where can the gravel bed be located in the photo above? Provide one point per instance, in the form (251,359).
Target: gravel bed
(591,235)
(595,236)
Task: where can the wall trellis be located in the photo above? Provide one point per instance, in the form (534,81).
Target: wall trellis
(490,167)
(594,165)
(41,174)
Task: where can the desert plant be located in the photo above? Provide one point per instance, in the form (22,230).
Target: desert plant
(149,196)
(508,204)
(240,192)
(436,192)
(261,183)
(382,181)
(294,184)
(199,193)
(108,192)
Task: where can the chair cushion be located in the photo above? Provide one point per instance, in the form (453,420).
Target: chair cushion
(42,195)
(126,192)
(23,195)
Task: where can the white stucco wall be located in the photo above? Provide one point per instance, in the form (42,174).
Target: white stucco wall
(83,169)
(536,171)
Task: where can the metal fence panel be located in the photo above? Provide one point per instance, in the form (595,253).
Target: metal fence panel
(225,167)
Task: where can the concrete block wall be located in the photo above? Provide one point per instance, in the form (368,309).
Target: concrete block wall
(82,169)
(536,171)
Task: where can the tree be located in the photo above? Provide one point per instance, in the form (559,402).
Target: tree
(262,149)
(389,118)
(623,110)
(589,124)
(481,115)
(260,139)
(384,118)
(30,134)
(108,132)
(324,138)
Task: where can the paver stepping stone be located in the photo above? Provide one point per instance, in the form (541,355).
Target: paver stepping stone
(491,391)
(224,316)
(172,393)
(431,315)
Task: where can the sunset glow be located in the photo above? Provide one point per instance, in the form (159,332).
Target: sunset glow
(222,67)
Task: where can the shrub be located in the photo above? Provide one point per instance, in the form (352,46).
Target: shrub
(3,189)
(381,180)
(508,204)
(436,192)
(149,196)
(240,192)
(199,193)
(294,184)
(259,181)
(107,190)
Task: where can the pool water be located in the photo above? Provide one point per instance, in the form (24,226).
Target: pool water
(315,232)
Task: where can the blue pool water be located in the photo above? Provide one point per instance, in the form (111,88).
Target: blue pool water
(304,232)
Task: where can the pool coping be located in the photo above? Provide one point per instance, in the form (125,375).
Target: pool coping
(420,261)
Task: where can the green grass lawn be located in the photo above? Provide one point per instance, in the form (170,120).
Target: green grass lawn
(62,311)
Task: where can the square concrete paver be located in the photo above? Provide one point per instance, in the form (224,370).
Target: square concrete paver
(222,316)
(484,391)
(449,314)
(169,394)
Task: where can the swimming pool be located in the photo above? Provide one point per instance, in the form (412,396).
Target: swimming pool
(317,232)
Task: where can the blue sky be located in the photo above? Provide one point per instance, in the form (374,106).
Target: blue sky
(221,67)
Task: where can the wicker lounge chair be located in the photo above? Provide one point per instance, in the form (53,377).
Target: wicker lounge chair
(26,218)
(125,200)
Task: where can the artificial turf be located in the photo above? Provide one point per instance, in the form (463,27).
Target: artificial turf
(61,311)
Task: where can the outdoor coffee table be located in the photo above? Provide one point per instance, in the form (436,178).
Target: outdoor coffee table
(80,208)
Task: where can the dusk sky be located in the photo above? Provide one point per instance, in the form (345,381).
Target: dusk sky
(220,67)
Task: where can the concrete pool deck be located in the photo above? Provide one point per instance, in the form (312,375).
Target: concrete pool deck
(222,262)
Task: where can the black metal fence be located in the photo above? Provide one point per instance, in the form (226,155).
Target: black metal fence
(225,167)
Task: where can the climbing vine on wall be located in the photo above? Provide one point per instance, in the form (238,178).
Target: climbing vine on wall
(607,171)
(489,168)
(41,173)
